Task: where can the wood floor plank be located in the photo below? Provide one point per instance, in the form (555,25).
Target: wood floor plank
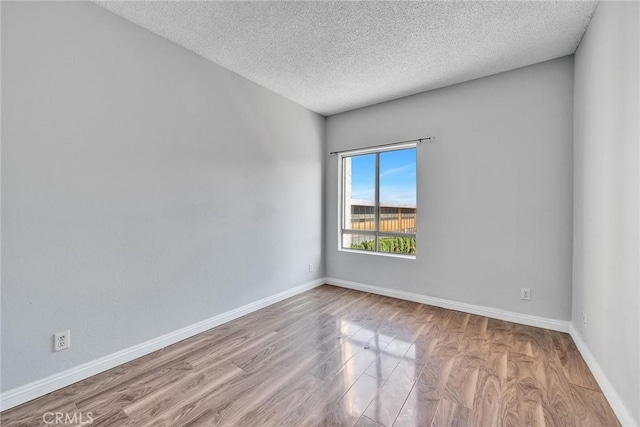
(190,349)
(386,406)
(521,402)
(388,360)
(477,326)
(252,360)
(163,398)
(591,409)
(367,422)
(30,415)
(313,409)
(486,405)
(225,404)
(229,408)
(462,382)
(136,390)
(556,402)
(574,366)
(451,414)
(349,409)
(334,356)
(420,407)
(115,417)
(272,411)
(366,340)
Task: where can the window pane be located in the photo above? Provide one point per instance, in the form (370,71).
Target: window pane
(398,191)
(398,245)
(359,174)
(361,242)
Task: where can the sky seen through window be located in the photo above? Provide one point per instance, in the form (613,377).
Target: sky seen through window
(397,177)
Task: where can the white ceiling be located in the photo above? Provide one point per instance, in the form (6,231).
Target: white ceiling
(336,56)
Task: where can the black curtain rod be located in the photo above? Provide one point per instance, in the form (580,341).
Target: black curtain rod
(427,138)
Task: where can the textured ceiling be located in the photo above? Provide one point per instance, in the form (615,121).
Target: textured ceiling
(336,56)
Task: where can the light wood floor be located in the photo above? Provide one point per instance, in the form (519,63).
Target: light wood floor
(333,356)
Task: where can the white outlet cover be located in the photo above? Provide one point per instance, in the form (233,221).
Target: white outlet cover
(61,340)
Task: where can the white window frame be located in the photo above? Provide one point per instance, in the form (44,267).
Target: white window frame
(341,230)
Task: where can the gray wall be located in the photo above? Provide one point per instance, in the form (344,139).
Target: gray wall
(494,190)
(143,188)
(605,263)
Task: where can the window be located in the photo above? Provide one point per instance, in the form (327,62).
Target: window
(378,200)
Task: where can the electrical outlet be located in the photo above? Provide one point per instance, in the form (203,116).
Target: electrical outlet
(61,340)
(525,294)
(585,318)
(310,268)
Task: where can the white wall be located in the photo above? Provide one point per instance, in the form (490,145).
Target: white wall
(605,264)
(494,190)
(143,188)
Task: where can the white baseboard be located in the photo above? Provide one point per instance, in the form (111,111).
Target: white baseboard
(616,402)
(495,313)
(27,392)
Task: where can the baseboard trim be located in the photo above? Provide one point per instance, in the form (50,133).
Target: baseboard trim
(616,402)
(495,313)
(33,390)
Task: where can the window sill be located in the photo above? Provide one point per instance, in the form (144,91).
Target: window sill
(384,254)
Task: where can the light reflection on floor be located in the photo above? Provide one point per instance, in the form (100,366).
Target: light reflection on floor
(366,351)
